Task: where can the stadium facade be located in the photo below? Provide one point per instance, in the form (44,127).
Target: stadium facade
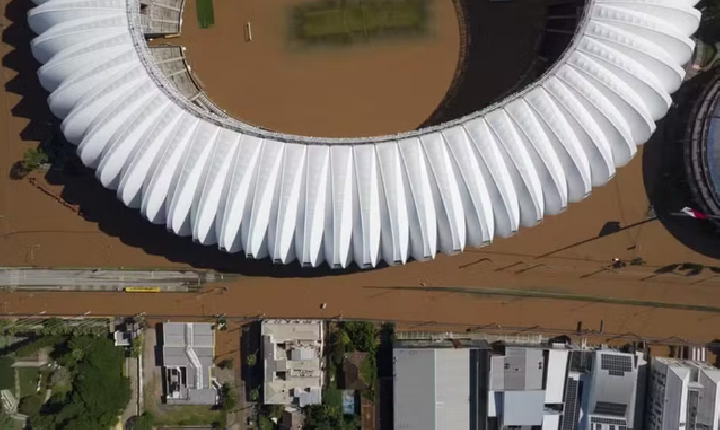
(390,198)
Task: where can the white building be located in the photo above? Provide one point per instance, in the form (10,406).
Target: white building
(612,392)
(312,199)
(188,359)
(560,388)
(684,395)
(436,386)
(526,386)
(292,355)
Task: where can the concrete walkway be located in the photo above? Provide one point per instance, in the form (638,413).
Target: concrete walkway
(131,371)
(104,280)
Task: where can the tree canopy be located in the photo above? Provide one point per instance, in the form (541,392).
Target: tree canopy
(33,158)
(30,405)
(229,399)
(100,390)
(323,417)
(6,420)
(362,334)
(145,421)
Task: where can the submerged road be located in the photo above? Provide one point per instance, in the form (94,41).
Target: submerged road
(423,308)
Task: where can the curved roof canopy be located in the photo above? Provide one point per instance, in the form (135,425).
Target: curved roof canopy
(383,198)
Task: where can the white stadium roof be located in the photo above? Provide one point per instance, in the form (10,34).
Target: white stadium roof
(382,198)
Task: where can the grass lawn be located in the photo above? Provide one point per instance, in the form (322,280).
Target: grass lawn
(205,13)
(368,371)
(28,380)
(63,383)
(7,374)
(178,415)
(187,415)
(344,21)
(333,398)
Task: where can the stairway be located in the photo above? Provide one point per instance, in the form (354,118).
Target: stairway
(199,383)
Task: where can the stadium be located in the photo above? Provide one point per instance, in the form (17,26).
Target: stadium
(701,151)
(470,172)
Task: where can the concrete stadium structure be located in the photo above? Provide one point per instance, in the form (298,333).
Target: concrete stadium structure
(359,200)
(702,156)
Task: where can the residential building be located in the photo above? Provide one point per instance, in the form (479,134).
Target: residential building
(188,355)
(352,371)
(684,395)
(292,355)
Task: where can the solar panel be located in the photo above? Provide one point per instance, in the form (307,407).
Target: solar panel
(572,405)
(612,421)
(610,408)
(616,365)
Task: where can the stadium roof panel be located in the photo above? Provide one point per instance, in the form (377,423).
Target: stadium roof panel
(389,198)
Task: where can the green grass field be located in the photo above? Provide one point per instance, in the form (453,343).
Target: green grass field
(347,21)
(28,380)
(189,415)
(7,373)
(205,13)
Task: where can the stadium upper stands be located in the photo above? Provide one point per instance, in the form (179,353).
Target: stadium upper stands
(359,200)
(161,17)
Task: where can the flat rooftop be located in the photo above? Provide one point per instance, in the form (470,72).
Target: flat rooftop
(292,356)
(188,358)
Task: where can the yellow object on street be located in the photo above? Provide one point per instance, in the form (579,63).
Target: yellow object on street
(142,289)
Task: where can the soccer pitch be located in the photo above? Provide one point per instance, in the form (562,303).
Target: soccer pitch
(205,13)
(348,21)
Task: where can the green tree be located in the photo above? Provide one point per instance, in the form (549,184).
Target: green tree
(43,342)
(265,423)
(30,405)
(6,421)
(322,417)
(352,422)
(339,344)
(251,359)
(100,390)
(33,158)
(229,398)
(362,334)
(5,324)
(227,364)
(44,422)
(80,346)
(53,326)
(140,319)
(137,346)
(145,421)
(275,411)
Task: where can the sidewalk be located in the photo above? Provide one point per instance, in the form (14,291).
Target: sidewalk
(131,371)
